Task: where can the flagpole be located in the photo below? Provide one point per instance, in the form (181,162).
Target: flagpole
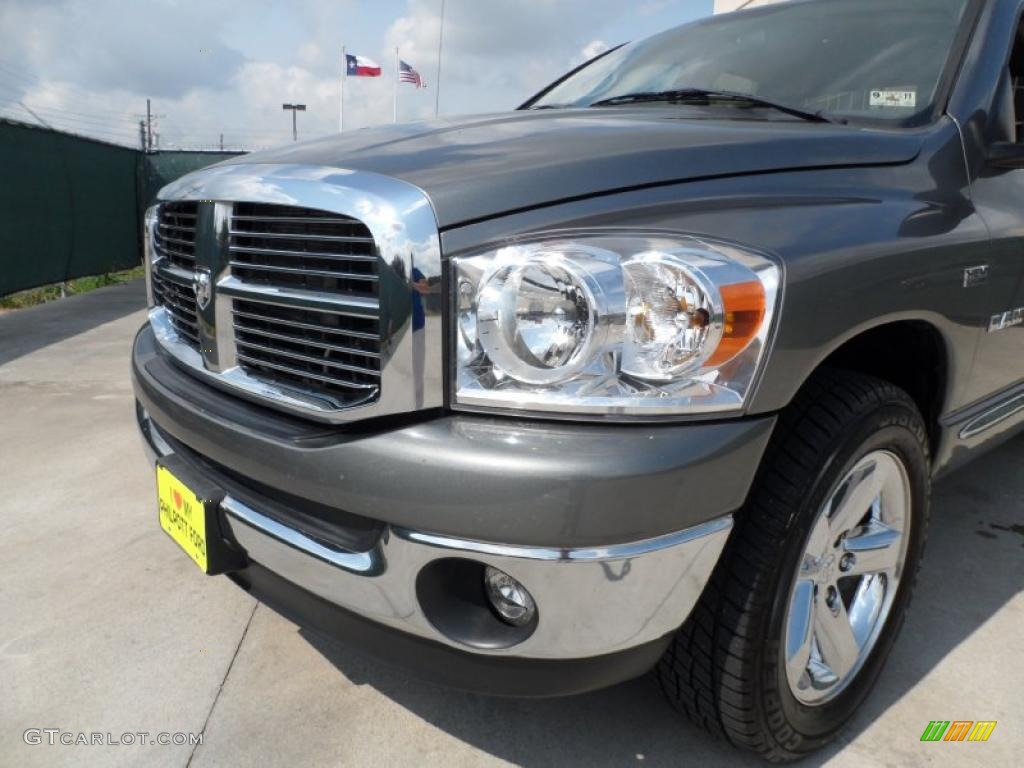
(440,46)
(397,68)
(344,77)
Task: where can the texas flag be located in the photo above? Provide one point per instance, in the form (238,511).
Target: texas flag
(360,66)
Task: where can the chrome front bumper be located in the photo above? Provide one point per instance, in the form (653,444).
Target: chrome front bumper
(590,601)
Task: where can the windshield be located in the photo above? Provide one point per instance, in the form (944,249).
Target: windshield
(873,59)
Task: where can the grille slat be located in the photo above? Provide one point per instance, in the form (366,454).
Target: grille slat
(320,348)
(299,373)
(291,219)
(325,362)
(287,337)
(272,322)
(304,254)
(253,234)
(302,271)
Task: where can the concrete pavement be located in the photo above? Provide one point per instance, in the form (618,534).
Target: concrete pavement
(106,627)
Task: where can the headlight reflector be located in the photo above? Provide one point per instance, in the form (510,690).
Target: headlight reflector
(612,324)
(537,320)
(673,318)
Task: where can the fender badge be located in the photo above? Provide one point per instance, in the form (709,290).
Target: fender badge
(975,276)
(1006,320)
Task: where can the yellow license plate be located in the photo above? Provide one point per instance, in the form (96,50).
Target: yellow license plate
(182,515)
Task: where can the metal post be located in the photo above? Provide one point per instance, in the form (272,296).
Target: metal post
(294,108)
(142,134)
(344,77)
(398,67)
(149,128)
(222,142)
(440,47)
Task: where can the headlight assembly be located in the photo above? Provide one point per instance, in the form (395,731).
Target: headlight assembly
(627,325)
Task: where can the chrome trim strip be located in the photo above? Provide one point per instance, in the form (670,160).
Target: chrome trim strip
(302,254)
(993,416)
(405,232)
(302,271)
(364,563)
(613,552)
(351,306)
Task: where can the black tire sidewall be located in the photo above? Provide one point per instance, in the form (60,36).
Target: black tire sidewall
(894,427)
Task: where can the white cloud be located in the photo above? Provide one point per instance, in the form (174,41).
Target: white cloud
(90,65)
(590,50)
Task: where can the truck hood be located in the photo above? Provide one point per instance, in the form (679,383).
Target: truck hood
(478,167)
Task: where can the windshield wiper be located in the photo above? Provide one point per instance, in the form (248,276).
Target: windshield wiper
(684,95)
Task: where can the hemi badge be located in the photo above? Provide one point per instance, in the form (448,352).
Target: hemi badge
(975,276)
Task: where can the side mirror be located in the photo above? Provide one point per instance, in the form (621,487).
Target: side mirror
(1006,154)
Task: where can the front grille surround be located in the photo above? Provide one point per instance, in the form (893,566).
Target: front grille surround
(325,294)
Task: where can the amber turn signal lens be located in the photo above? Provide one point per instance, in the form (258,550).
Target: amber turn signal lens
(745,307)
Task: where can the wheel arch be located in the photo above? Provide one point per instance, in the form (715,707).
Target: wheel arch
(910,352)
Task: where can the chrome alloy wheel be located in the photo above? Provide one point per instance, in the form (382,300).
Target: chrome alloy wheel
(847,578)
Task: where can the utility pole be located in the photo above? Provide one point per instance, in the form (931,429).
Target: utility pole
(142,134)
(149,128)
(294,108)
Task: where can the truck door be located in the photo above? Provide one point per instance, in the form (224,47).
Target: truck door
(998,195)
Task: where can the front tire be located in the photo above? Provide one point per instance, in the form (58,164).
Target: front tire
(813,586)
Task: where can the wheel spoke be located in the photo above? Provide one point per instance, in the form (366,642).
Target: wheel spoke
(820,538)
(875,549)
(839,649)
(862,488)
(799,631)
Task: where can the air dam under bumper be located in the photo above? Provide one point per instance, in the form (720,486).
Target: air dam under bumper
(605,611)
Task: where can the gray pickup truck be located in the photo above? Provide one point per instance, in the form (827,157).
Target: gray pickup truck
(652,374)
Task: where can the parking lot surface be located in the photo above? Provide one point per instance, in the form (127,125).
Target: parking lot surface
(108,628)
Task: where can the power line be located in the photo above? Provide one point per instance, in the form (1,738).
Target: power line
(56,113)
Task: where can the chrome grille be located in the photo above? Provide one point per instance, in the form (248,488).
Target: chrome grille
(174,240)
(327,350)
(175,236)
(300,247)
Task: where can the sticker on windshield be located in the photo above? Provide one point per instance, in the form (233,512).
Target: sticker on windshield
(893,98)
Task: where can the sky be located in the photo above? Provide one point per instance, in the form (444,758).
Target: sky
(226,66)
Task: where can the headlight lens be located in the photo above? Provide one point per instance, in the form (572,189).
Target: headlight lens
(622,325)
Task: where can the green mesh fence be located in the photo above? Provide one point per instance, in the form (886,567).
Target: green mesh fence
(71,207)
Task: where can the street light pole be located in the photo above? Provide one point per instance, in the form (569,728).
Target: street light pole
(294,108)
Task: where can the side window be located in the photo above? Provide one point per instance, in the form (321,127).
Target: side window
(1016,84)
(1008,107)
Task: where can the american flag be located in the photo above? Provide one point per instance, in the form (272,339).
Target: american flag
(406,74)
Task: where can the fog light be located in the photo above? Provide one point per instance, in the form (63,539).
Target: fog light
(510,599)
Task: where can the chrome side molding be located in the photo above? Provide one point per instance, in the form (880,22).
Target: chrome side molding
(993,416)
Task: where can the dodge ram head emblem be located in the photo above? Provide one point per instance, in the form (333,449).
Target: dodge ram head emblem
(201,285)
